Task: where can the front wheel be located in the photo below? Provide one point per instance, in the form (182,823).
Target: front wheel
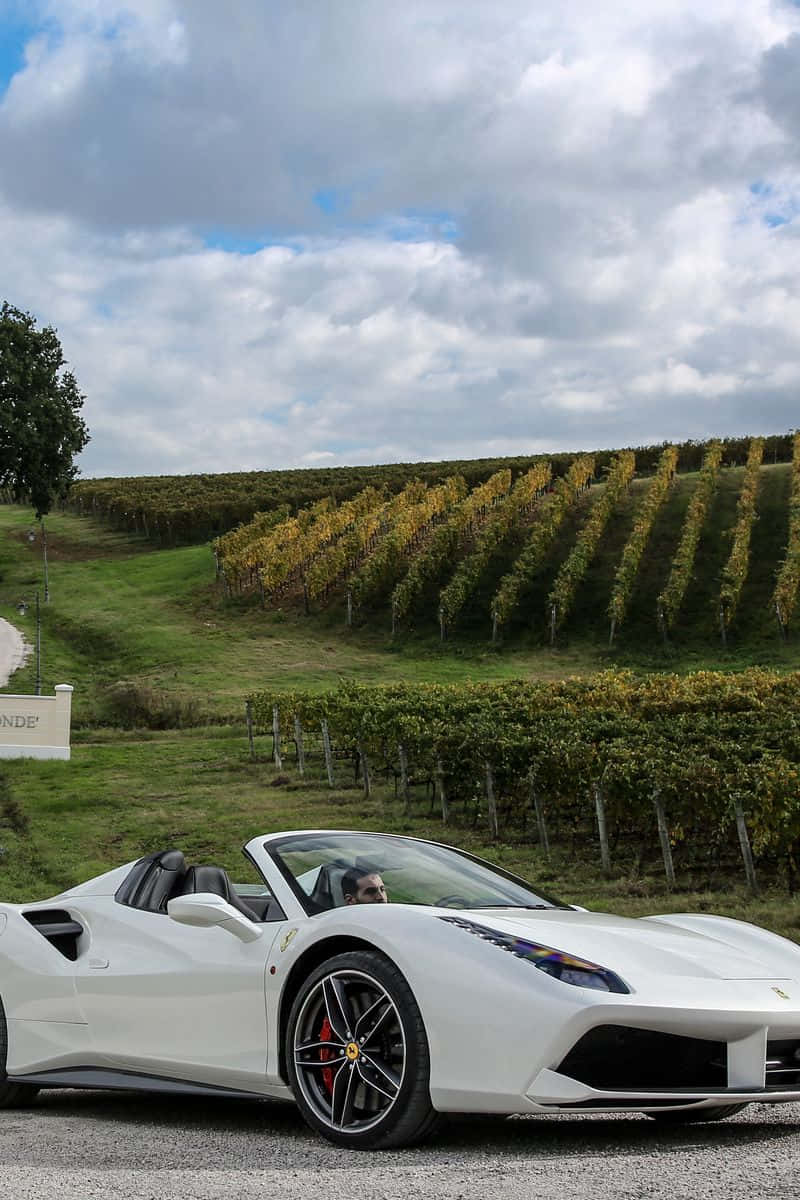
(692,1116)
(357,1054)
(12,1095)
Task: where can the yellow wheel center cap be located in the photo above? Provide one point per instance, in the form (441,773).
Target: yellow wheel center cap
(352,1051)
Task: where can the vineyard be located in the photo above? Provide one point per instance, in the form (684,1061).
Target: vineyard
(591,548)
(177,509)
(706,766)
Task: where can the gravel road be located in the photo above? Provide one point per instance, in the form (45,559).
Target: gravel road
(13,651)
(82,1145)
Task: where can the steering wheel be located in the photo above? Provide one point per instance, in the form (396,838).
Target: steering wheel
(453,901)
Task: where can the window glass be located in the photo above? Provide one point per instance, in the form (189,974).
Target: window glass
(413,872)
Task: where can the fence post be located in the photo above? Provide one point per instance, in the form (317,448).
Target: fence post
(602,831)
(663,835)
(401,754)
(326,747)
(362,756)
(744,843)
(298,741)
(248,712)
(440,786)
(276,737)
(540,825)
(491,801)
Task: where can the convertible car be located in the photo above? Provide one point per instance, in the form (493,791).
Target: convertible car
(469,991)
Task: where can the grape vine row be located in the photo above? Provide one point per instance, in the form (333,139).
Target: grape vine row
(671,598)
(735,570)
(787,584)
(565,493)
(492,534)
(628,568)
(575,566)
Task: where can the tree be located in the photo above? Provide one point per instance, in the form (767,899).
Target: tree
(41,429)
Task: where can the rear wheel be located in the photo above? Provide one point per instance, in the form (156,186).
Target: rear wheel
(357,1054)
(691,1116)
(12,1095)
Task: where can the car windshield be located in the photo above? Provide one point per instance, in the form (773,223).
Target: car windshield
(413,872)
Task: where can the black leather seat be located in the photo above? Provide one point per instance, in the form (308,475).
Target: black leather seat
(327,891)
(215,880)
(153,880)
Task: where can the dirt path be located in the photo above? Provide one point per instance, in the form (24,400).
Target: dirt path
(13,651)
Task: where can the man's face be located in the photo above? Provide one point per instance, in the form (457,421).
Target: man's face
(371,890)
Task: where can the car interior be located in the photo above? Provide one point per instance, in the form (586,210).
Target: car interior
(160,877)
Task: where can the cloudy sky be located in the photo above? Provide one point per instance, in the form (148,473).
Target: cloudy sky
(301,232)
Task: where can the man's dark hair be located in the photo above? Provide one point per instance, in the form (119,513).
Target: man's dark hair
(350,881)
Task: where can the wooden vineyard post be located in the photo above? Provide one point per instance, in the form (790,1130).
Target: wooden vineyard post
(494,629)
(663,836)
(612,632)
(349,608)
(781,626)
(326,748)
(722,631)
(298,741)
(394,619)
(602,830)
(442,626)
(744,843)
(540,825)
(276,738)
(491,801)
(441,789)
(362,758)
(552,624)
(248,712)
(401,754)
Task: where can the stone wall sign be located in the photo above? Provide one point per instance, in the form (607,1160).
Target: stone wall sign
(36,726)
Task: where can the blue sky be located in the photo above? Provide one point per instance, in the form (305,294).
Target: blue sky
(14,33)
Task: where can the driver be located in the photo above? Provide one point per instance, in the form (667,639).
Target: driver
(363,888)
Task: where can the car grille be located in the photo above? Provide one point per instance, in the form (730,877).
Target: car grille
(783,1065)
(618,1058)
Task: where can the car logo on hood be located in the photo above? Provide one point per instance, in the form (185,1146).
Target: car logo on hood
(781,993)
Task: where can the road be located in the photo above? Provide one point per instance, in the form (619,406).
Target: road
(86,1145)
(12,651)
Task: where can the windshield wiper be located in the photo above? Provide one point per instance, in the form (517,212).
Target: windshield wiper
(528,906)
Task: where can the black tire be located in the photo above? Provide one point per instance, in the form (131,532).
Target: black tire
(357,1012)
(12,1095)
(693,1116)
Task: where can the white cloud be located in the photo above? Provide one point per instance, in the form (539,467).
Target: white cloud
(536,227)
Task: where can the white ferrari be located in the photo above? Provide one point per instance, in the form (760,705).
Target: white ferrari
(469,991)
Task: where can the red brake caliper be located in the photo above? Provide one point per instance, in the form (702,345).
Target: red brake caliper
(325,1034)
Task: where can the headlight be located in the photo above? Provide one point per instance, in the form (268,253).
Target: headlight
(564,967)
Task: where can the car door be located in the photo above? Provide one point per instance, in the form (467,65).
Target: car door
(174,1000)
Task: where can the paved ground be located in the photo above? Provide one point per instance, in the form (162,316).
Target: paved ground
(13,651)
(81,1146)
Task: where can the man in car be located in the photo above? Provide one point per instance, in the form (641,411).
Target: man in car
(363,888)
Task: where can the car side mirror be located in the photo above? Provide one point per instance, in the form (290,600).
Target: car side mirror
(207,910)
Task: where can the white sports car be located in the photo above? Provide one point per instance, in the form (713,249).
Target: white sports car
(468,992)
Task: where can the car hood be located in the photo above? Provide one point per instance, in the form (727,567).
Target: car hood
(630,946)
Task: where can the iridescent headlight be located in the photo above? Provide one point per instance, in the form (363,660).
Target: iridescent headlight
(564,967)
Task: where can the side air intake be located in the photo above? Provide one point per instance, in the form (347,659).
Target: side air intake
(58,927)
